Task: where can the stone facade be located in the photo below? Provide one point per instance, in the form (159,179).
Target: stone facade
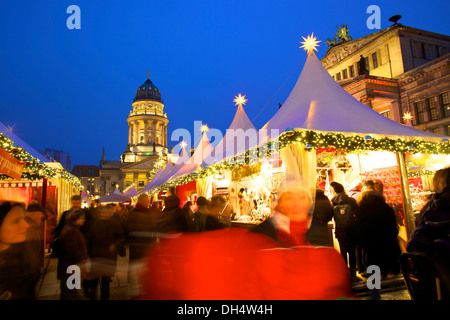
(407,71)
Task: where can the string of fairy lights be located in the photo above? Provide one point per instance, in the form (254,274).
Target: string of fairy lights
(34,169)
(312,140)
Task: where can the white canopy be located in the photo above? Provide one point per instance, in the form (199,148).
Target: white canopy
(235,140)
(183,158)
(202,151)
(150,185)
(116,196)
(319,103)
(132,192)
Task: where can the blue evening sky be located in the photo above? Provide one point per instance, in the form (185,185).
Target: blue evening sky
(72,90)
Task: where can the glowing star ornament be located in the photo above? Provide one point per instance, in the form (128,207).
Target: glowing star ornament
(183,144)
(407,117)
(310,43)
(240,100)
(204,128)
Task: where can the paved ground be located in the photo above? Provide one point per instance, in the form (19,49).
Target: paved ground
(393,288)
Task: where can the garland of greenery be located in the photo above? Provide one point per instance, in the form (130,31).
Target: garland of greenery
(312,140)
(34,169)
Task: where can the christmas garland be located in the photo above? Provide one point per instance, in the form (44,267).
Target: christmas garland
(313,140)
(34,169)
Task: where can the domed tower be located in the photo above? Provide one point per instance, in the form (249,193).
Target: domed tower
(147,124)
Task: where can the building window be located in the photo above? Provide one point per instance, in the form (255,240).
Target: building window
(420,112)
(432,111)
(352,71)
(367,63)
(128,183)
(445,103)
(344,74)
(387,114)
(141,183)
(375,60)
(435,130)
(338,76)
(448,129)
(113,184)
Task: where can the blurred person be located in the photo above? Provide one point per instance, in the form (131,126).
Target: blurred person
(173,219)
(140,228)
(377,232)
(200,215)
(75,201)
(318,233)
(244,206)
(234,264)
(345,212)
(431,236)
(18,273)
(215,218)
(289,222)
(73,252)
(35,217)
(189,214)
(437,187)
(103,240)
(368,190)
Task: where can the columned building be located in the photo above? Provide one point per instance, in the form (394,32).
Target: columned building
(147,140)
(399,72)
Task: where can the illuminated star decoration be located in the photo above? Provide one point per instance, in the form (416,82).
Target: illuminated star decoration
(407,116)
(183,144)
(204,128)
(240,100)
(310,43)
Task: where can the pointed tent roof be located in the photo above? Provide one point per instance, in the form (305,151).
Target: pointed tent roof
(116,196)
(182,159)
(319,103)
(156,181)
(149,186)
(132,192)
(230,145)
(202,151)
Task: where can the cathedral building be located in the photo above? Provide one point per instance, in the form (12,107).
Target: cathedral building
(147,140)
(401,72)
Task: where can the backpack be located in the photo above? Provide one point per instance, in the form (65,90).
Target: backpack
(343,215)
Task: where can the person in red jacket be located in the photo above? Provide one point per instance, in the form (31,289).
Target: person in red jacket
(235,264)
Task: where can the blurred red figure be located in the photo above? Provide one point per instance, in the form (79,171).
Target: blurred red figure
(235,264)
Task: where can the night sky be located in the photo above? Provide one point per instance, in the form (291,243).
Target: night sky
(72,90)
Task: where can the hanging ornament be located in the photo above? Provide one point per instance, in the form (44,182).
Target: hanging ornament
(368,139)
(308,147)
(445,140)
(411,149)
(290,131)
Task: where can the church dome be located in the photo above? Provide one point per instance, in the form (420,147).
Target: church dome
(147,91)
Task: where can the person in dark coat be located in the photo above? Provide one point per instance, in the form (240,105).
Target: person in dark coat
(73,252)
(214,219)
(377,232)
(345,229)
(18,275)
(432,235)
(140,235)
(104,238)
(318,234)
(75,201)
(173,219)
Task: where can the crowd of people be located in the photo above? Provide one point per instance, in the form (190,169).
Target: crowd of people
(365,228)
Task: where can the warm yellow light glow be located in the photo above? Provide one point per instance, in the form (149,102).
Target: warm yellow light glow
(204,128)
(407,116)
(240,100)
(310,43)
(183,144)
